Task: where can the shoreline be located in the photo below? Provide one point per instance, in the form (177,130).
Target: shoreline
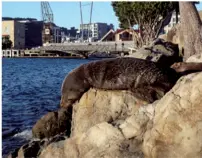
(46,57)
(60,57)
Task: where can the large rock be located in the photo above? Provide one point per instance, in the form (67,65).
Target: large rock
(101,140)
(195,58)
(52,123)
(35,147)
(170,127)
(164,53)
(116,124)
(54,150)
(97,106)
(177,123)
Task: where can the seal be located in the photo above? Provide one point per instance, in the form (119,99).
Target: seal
(185,68)
(147,80)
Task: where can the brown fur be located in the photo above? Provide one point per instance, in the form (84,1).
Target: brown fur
(146,79)
(183,67)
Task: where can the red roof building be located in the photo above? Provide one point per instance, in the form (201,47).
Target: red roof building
(119,35)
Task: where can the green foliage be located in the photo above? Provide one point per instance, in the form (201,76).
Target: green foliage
(150,17)
(131,13)
(6,42)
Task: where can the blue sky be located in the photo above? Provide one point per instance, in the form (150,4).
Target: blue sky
(66,14)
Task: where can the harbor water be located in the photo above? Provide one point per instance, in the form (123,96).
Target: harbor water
(30,88)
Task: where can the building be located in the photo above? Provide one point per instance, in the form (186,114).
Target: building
(57,34)
(51,33)
(69,35)
(173,21)
(94,31)
(119,35)
(69,32)
(33,33)
(26,33)
(16,31)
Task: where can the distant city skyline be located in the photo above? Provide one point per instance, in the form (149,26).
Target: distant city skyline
(66,14)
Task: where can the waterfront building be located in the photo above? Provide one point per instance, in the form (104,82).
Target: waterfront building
(57,34)
(119,35)
(16,31)
(69,35)
(33,33)
(10,53)
(51,33)
(69,32)
(94,31)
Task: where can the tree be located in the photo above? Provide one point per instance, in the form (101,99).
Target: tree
(6,42)
(149,16)
(191,27)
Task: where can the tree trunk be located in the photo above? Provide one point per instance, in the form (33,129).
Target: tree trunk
(191,28)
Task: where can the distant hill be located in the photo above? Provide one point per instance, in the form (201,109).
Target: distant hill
(17,19)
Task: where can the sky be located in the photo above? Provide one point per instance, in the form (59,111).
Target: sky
(66,14)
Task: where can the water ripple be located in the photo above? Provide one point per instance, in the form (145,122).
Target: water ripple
(30,89)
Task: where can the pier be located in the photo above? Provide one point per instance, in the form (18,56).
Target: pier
(81,50)
(86,49)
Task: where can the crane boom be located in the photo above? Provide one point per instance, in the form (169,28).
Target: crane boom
(47,13)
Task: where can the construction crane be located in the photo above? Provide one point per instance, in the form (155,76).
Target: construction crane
(48,23)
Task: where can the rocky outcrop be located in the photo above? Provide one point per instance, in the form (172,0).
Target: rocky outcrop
(101,140)
(98,106)
(52,124)
(195,58)
(167,128)
(36,147)
(55,150)
(165,53)
(116,124)
(177,125)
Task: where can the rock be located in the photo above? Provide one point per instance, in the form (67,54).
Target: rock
(91,144)
(14,153)
(177,125)
(102,140)
(97,106)
(54,150)
(35,147)
(136,125)
(29,150)
(164,53)
(52,124)
(116,124)
(195,58)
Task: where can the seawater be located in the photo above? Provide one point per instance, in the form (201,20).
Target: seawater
(31,87)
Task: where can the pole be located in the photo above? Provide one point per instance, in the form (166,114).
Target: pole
(81,27)
(89,26)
